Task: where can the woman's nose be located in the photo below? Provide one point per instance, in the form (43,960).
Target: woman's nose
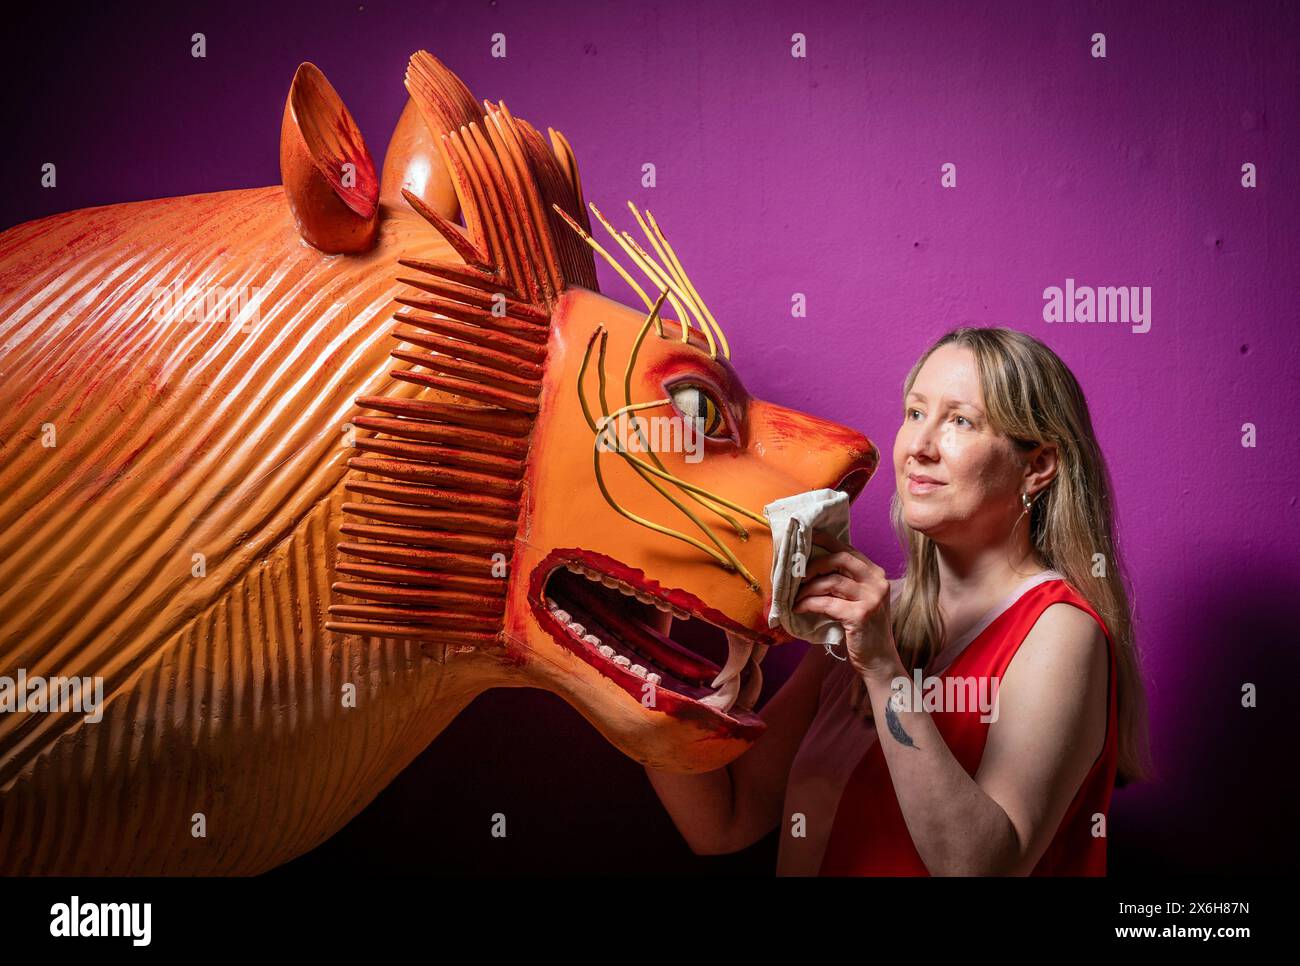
(922,442)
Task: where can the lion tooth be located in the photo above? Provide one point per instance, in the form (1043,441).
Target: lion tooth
(561,615)
(608,581)
(577,629)
(662,605)
(625,590)
(573,568)
(738,652)
(723,699)
(662,621)
(591,639)
(680,614)
(606,651)
(753,686)
(621,660)
(653,678)
(591,575)
(638,670)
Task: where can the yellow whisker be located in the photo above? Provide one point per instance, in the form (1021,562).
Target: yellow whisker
(599,250)
(667,262)
(731,560)
(684,289)
(627,397)
(640,337)
(683,318)
(757,518)
(686,279)
(600,481)
(638,465)
(652,268)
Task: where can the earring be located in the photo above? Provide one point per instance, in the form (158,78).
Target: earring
(1024,499)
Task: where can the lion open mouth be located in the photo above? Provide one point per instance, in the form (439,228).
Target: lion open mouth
(636,633)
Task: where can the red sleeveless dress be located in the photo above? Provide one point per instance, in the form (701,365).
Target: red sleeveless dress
(869,835)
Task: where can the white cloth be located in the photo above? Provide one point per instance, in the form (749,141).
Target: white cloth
(793,520)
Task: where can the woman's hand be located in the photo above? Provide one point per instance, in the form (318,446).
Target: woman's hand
(848,587)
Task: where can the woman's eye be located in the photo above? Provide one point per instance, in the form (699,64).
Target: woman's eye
(696,403)
(965,420)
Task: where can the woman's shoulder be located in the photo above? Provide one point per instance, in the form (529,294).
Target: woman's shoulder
(1064,654)
(1071,608)
(1067,645)
(1064,618)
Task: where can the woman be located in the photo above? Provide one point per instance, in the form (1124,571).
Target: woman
(1012,597)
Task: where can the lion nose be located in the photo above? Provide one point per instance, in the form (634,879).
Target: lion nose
(815,453)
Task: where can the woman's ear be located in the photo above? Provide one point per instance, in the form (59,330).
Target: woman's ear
(1040,468)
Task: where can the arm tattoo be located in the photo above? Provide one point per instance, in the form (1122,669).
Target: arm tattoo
(895,726)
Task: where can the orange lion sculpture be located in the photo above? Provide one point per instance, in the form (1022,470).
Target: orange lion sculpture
(254,558)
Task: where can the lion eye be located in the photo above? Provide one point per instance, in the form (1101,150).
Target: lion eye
(696,403)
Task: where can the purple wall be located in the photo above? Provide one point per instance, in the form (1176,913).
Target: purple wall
(822,176)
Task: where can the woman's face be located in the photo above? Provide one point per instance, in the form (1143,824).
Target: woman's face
(970,477)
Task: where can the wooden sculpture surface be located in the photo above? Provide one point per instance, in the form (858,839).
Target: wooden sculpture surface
(292,563)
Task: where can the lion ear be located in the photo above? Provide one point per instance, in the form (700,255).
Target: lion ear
(328,175)
(412,163)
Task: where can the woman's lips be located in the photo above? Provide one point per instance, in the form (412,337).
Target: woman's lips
(922,484)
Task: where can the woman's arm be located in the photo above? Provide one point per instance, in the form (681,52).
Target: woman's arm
(728,809)
(1050,728)
(1052,707)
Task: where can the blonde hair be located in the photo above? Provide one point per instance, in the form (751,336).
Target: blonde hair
(1031,397)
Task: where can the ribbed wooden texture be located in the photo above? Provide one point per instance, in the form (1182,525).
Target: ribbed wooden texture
(176,437)
(485,316)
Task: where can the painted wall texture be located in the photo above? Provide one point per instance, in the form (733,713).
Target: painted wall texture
(822,176)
